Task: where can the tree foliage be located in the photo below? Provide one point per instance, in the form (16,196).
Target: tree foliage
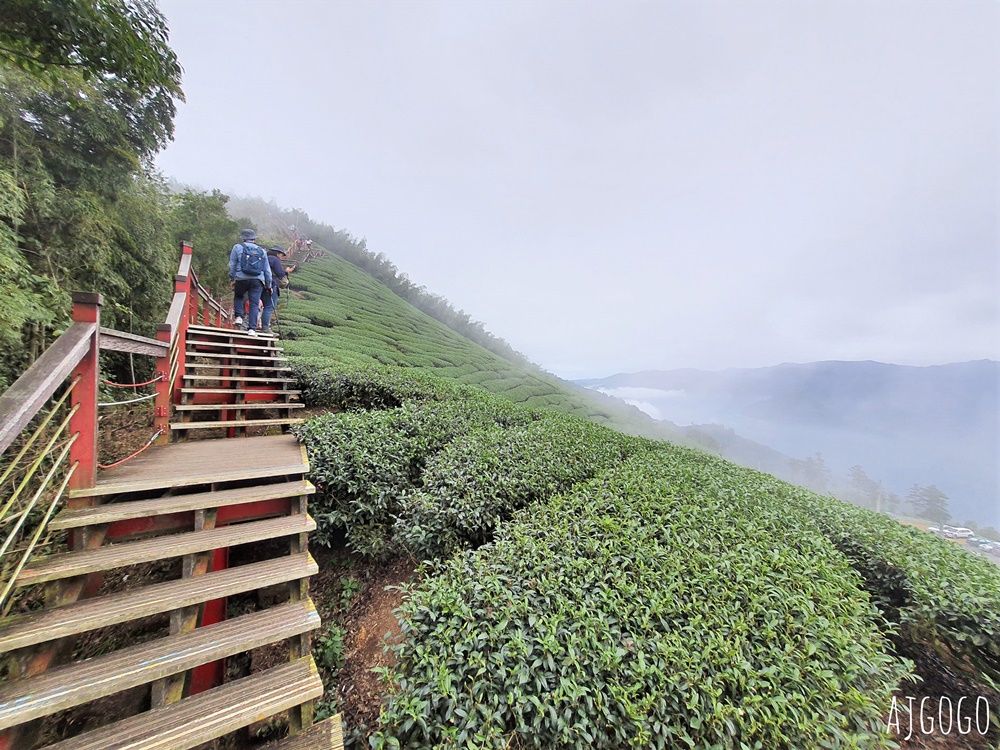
(87,96)
(811,472)
(929,502)
(201,219)
(863,490)
(123,39)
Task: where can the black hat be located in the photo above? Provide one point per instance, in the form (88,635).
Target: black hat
(277,249)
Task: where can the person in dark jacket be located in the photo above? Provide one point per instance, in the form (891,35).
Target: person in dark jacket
(270,296)
(245,283)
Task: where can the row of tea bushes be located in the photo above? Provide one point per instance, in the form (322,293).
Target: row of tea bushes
(364,462)
(437,472)
(654,606)
(937,591)
(482,477)
(361,387)
(934,589)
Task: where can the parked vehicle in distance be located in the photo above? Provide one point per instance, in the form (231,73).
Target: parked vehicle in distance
(934,529)
(964,533)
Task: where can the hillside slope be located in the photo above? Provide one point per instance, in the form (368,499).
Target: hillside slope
(337,311)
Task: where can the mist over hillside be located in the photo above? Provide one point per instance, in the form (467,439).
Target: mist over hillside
(903,425)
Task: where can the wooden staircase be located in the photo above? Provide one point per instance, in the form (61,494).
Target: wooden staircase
(162,544)
(233,381)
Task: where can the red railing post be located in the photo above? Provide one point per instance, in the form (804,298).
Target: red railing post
(86,309)
(189,287)
(182,283)
(161,419)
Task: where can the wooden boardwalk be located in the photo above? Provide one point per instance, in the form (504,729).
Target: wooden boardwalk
(203,462)
(189,501)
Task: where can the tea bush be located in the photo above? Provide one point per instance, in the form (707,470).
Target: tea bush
(360,387)
(649,607)
(481,477)
(363,462)
(936,590)
(437,465)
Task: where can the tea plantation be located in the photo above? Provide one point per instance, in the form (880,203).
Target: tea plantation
(341,313)
(584,588)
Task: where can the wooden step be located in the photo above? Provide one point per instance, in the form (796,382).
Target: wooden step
(74,684)
(69,564)
(185,464)
(245,405)
(244,391)
(232,423)
(234,338)
(73,518)
(238,378)
(209,715)
(236,333)
(222,344)
(327,734)
(49,624)
(265,368)
(237,356)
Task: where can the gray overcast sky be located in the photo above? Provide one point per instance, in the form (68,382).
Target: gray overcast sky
(615,186)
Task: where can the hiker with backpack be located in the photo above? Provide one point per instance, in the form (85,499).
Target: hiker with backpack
(250,274)
(280,276)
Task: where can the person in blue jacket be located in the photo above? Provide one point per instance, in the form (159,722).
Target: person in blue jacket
(250,274)
(270,296)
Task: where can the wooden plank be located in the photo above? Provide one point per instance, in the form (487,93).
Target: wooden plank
(324,735)
(188,463)
(37,384)
(209,715)
(85,681)
(120,341)
(233,423)
(184,269)
(49,624)
(240,378)
(73,518)
(245,391)
(224,344)
(69,564)
(175,313)
(238,356)
(255,368)
(249,405)
(230,333)
(223,475)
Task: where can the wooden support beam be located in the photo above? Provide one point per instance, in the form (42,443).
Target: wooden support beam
(120,341)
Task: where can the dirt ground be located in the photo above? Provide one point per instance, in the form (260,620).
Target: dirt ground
(368,621)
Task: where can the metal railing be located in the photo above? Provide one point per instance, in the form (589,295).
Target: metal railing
(22,520)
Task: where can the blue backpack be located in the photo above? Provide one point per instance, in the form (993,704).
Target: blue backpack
(252,260)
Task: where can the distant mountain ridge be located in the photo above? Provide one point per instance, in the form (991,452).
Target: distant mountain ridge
(903,424)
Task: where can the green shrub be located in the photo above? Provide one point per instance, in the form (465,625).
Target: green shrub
(354,388)
(938,592)
(365,463)
(481,477)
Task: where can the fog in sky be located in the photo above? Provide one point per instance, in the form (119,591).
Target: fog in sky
(616,186)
